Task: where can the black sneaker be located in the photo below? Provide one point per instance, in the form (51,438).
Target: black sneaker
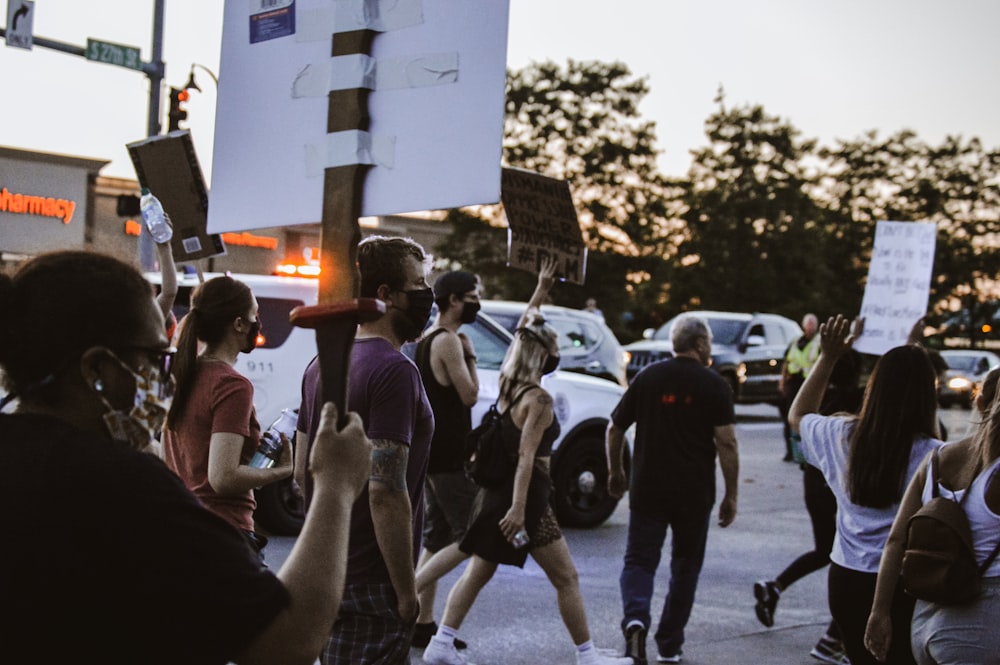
(767,595)
(423,632)
(635,644)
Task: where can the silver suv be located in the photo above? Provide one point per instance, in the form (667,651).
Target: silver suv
(586,343)
(747,350)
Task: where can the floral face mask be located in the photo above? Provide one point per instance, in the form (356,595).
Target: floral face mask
(153,393)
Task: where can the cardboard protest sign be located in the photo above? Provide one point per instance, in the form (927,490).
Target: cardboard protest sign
(542,222)
(168,167)
(899,283)
(435,78)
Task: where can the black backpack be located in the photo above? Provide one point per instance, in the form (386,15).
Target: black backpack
(939,564)
(487,462)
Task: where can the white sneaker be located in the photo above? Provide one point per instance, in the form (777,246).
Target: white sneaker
(439,652)
(595,657)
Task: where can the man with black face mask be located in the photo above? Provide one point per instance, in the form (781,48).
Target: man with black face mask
(379,608)
(447,363)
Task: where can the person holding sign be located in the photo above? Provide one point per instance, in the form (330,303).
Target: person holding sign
(117,562)
(380,607)
(867,461)
(514,520)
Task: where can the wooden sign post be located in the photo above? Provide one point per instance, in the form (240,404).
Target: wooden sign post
(339,311)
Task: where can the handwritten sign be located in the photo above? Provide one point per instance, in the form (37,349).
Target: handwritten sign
(542,223)
(899,282)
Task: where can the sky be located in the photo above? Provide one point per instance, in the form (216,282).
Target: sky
(833,69)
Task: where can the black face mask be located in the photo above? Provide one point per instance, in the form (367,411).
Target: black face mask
(418,311)
(469,311)
(551,364)
(251,343)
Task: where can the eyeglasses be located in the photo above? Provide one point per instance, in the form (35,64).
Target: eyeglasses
(160,357)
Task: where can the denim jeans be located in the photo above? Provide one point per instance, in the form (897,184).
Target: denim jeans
(689,529)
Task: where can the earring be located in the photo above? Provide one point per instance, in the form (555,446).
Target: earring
(99,386)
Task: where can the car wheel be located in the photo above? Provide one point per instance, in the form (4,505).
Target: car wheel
(280,508)
(581,484)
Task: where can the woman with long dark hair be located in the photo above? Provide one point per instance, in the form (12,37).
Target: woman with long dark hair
(965,633)
(212,429)
(867,460)
(516,519)
(115,561)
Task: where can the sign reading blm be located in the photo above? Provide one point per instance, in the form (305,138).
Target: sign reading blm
(542,223)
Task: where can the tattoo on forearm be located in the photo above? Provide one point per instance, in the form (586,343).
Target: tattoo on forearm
(389,459)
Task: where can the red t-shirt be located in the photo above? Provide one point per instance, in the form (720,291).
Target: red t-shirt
(221,401)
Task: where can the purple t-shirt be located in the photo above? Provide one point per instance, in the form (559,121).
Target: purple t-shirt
(386,391)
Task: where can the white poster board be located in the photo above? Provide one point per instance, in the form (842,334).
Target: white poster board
(899,283)
(438,143)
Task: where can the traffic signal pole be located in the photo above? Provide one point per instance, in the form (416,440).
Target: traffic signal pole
(154,70)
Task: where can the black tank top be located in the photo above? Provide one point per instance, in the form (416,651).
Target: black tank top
(512,434)
(452,419)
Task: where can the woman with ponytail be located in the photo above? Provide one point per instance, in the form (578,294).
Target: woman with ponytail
(212,429)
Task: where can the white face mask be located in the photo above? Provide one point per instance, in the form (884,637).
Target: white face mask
(138,428)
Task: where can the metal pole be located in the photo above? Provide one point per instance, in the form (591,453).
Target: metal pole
(155,73)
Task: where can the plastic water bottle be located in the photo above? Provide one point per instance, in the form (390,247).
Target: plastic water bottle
(155,218)
(269,450)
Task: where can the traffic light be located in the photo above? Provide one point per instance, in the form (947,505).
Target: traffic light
(178,96)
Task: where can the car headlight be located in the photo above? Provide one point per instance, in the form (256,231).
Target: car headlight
(959,383)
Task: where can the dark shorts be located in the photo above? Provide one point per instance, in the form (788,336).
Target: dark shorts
(448,499)
(368,630)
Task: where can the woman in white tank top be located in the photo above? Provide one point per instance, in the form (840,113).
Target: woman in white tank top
(952,634)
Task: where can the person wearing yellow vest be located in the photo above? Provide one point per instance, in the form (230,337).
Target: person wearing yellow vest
(799,360)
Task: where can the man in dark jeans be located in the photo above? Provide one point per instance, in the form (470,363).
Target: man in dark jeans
(684,415)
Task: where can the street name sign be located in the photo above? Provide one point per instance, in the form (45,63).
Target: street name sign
(114,54)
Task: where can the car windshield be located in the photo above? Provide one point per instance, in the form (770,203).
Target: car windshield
(724,331)
(961,363)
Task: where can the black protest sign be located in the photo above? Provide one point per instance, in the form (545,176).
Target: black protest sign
(168,167)
(542,223)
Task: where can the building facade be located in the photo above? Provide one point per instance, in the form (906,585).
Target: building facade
(50,202)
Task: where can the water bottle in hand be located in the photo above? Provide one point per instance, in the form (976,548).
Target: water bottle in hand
(154,217)
(269,451)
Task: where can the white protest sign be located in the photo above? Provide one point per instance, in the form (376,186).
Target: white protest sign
(899,283)
(437,76)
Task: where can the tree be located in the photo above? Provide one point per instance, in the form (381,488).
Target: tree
(902,178)
(756,239)
(581,123)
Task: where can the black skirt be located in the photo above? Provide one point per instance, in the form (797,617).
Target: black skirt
(484,537)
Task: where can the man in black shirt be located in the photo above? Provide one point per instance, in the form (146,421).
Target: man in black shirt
(684,415)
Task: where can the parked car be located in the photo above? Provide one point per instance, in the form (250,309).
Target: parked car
(963,379)
(586,343)
(582,404)
(747,351)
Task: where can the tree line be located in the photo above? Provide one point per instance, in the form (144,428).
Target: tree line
(764,220)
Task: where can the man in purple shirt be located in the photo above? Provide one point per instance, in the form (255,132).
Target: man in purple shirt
(379,607)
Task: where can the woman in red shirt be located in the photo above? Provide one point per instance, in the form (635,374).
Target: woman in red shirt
(212,429)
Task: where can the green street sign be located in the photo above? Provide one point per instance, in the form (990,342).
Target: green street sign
(114,54)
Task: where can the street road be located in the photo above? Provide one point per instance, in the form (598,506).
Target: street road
(515,620)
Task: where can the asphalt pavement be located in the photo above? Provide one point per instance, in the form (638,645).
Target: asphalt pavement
(515,619)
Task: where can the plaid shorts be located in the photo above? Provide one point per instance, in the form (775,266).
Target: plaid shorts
(368,629)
